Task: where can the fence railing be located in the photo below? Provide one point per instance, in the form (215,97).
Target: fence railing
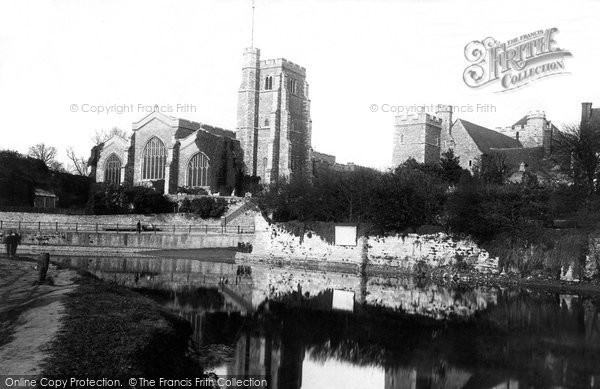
(18,225)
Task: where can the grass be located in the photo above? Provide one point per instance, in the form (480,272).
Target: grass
(110,331)
(543,250)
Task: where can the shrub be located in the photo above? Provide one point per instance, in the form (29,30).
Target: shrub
(192,191)
(107,199)
(205,207)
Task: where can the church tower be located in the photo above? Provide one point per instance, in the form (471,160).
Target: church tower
(273,119)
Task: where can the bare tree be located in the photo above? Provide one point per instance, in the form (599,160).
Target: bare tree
(78,164)
(44,153)
(578,145)
(101,136)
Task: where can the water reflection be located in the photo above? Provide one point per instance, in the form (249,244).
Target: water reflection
(282,323)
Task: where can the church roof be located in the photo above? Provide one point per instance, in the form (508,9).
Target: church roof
(184,127)
(487,139)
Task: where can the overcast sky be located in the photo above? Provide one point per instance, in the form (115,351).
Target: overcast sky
(56,54)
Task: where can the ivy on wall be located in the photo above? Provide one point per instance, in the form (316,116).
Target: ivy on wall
(225,165)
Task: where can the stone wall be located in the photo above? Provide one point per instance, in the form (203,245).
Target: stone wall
(143,240)
(272,242)
(464,147)
(435,250)
(31,219)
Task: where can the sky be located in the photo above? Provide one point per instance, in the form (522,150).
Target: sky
(63,61)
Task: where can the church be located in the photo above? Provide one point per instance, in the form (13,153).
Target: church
(272,139)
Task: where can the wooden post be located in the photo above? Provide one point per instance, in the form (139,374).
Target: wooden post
(76,227)
(117,228)
(190,231)
(206,228)
(39,226)
(238,229)
(96,227)
(19,226)
(56,226)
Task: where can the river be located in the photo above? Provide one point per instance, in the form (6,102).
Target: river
(305,328)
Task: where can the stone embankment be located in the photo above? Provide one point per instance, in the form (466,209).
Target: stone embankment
(274,244)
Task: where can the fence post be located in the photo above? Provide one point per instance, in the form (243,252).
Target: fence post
(173,228)
(117,228)
(238,230)
(19,226)
(190,231)
(0,224)
(96,227)
(56,226)
(206,228)
(39,226)
(76,227)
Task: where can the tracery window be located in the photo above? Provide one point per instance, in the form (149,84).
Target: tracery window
(154,159)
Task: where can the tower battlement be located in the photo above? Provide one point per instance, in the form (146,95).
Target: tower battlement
(282,63)
(421,118)
(537,114)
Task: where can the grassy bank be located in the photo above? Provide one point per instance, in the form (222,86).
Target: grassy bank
(110,331)
(542,251)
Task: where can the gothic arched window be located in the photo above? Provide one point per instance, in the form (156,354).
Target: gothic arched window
(112,170)
(268,83)
(154,159)
(197,170)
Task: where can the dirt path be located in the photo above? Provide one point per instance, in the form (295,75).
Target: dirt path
(29,315)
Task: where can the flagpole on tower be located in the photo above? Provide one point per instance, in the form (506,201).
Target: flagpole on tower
(252,36)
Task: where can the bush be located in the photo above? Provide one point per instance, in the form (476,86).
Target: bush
(107,199)
(484,211)
(192,191)
(205,207)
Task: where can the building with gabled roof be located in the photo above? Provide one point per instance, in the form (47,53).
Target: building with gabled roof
(425,137)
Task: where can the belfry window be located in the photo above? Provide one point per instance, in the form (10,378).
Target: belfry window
(197,170)
(154,159)
(112,170)
(268,82)
(293,86)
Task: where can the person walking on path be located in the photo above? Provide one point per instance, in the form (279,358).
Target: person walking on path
(9,241)
(16,243)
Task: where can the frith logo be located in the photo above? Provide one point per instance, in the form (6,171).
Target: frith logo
(516,62)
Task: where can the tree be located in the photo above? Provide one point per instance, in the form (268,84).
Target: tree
(450,167)
(101,136)
(44,153)
(491,168)
(79,164)
(581,144)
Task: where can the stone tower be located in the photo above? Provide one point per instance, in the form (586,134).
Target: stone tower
(417,137)
(273,120)
(444,112)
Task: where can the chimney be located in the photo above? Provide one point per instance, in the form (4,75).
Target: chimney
(586,112)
